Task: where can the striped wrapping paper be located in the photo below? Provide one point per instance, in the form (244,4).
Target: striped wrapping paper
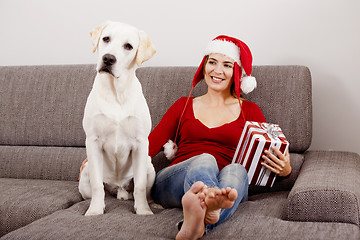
(255,138)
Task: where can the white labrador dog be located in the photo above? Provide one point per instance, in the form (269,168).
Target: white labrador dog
(117,120)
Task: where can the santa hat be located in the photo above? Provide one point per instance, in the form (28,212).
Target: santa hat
(241,54)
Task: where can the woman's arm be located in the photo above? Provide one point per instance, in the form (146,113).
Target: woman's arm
(166,129)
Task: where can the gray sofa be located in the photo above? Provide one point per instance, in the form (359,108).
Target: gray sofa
(42,147)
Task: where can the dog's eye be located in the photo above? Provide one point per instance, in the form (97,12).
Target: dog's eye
(106,39)
(128,46)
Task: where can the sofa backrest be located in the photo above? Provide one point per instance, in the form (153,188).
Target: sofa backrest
(43,105)
(283,93)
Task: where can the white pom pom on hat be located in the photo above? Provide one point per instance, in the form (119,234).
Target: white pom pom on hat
(248,84)
(170,149)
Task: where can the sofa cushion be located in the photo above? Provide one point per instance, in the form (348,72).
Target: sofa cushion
(162,86)
(32,162)
(44,105)
(23,201)
(118,222)
(327,196)
(291,107)
(262,217)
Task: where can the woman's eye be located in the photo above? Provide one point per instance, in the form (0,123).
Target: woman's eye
(128,46)
(106,39)
(212,62)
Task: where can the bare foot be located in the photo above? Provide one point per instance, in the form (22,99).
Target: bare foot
(194,209)
(217,199)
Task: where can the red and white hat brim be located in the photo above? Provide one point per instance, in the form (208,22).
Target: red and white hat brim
(224,47)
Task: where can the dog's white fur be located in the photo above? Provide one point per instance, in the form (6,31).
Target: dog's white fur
(117,120)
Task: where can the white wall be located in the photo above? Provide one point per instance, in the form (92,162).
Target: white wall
(321,34)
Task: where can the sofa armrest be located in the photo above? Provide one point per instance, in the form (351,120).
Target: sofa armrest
(327,188)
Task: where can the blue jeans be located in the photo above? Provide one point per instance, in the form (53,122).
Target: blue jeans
(173,182)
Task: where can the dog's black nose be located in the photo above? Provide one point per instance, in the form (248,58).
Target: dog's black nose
(109,59)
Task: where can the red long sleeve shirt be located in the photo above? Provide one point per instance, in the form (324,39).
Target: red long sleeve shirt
(194,138)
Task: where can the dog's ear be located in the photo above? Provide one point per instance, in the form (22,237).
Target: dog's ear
(96,33)
(146,49)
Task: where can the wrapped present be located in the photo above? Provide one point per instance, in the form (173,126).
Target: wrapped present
(255,138)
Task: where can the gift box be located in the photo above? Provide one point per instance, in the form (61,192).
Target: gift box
(255,138)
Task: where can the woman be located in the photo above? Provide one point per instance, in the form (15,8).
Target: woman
(201,178)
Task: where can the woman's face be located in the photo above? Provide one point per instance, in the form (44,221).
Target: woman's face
(218,72)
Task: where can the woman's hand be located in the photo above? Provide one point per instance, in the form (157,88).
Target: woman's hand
(277,162)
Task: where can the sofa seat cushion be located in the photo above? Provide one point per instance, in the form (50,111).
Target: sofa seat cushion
(262,217)
(23,201)
(118,222)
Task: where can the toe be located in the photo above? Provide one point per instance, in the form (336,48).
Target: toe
(197,187)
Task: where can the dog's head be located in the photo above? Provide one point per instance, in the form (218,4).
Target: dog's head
(120,47)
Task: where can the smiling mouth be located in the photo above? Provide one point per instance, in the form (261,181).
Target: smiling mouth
(216,79)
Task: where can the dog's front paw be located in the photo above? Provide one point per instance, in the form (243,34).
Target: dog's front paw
(95,209)
(94,212)
(145,210)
